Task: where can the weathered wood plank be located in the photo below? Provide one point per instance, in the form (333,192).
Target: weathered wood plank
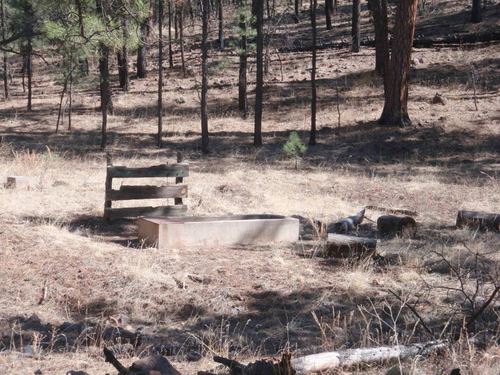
(340,245)
(164,170)
(128,192)
(479,220)
(114,213)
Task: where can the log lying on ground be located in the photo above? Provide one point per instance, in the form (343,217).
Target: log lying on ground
(262,367)
(393,210)
(152,365)
(349,357)
(478,220)
(348,224)
(391,224)
(341,245)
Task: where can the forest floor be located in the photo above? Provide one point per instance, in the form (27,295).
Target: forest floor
(71,283)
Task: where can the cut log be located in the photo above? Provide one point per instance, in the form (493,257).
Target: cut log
(392,224)
(340,245)
(478,220)
(18,182)
(349,357)
(348,224)
(393,210)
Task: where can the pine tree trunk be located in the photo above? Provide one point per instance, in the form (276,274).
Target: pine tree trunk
(221,25)
(70,98)
(5,56)
(159,142)
(356,10)
(181,37)
(395,111)
(258,13)
(142,50)
(379,9)
(242,81)
(170,52)
(28,27)
(205,146)
(312,138)
(328,14)
(476,11)
(296,11)
(105,88)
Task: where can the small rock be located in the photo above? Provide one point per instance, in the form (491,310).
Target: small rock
(180,100)
(71,372)
(415,61)
(207,320)
(439,99)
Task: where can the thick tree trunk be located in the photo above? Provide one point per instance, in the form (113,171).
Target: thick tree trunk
(328,14)
(142,51)
(379,9)
(476,11)
(242,80)
(159,142)
(356,10)
(205,146)
(395,111)
(258,13)
(312,137)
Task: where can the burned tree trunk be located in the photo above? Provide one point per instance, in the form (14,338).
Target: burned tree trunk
(391,224)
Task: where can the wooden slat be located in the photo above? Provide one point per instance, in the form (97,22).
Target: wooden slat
(164,170)
(114,213)
(128,192)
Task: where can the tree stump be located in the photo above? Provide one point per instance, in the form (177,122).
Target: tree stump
(478,220)
(391,224)
(340,245)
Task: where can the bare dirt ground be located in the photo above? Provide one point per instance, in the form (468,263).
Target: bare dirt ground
(71,283)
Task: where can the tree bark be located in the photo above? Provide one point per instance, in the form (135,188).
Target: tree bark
(28,27)
(476,11)
(356,10)
(170,52)
(324,361)
(181,37)
(296,11)
(5,75)
(105,88)
(205,146)
(221,25)
(123,71)
(159,142)
(328,14)
(395,111)
(312,137)
(379,9)
(142,51)
(242,79)
(258,13)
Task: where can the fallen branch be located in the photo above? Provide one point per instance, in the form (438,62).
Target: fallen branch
(349,357)
(348,224)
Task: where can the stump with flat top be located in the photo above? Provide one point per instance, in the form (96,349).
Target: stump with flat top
(341,245)
(478,220)
(392,224)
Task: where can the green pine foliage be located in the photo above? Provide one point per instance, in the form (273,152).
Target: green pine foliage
(294,147)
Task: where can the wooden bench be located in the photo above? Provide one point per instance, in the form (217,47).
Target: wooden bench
(177,191)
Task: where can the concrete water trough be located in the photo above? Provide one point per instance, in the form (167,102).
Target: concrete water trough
(211,231)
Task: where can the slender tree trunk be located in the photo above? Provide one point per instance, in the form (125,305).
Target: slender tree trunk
(221,25)
(476,11)
(258,13)
(142,51)
(59,112)
(396,91)
(296,11)
(28,27)
(242,81)
(170,52)
(5,75)
(106,104)
(356,10)
(181,37)
(160,73)
(70,112)
(205,146)
(328,14)
(312,138)
(176,30)
(379,9)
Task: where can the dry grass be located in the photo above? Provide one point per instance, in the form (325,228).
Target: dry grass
(254,301)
